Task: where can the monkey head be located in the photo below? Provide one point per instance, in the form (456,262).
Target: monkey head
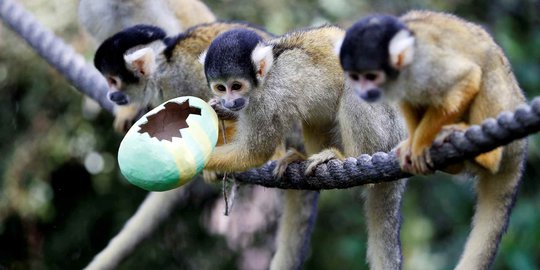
(373,52)
(230,69)
(126,59)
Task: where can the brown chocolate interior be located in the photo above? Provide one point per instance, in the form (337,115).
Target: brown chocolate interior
(166,123)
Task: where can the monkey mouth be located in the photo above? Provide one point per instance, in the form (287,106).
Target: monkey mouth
(235,106)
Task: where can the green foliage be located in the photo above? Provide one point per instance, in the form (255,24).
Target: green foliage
(62,197)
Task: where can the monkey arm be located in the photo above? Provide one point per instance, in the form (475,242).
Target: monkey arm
(235,156)
(412,118)
(456,101)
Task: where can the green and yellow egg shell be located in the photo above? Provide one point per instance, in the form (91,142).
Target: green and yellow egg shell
(159,165)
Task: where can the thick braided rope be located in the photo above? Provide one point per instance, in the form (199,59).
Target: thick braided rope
(56,52)
(384,167)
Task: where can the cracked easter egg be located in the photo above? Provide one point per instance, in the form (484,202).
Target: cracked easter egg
(169,145)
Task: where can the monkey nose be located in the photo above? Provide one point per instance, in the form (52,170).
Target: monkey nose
(119,98)
(371,95)
(235,105)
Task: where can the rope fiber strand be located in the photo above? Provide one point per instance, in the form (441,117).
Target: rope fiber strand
(335,174)
(56,52)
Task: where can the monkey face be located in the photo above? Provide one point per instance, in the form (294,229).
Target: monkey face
(367,84)
(232,93)
(122,92)
(128,77)
(373,52)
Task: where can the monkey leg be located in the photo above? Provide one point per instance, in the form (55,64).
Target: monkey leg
(412,118)
(455,103)
(297,221)
(382,208)
(299,213)
(495,198)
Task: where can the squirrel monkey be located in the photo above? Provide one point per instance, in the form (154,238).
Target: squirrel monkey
(443,83)
(103,18)
(297,77)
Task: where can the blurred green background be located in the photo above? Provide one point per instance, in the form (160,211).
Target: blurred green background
(62,197)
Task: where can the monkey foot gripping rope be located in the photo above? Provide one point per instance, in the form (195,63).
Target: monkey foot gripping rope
(365,169)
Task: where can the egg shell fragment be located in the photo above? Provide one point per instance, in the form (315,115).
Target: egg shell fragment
(159,164)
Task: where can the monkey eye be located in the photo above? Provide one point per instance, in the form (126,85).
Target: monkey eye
(354,76)
(236,86)
(370,76)
(113,81)
(221,88)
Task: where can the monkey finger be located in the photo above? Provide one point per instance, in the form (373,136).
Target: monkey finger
(420,164)
(222,112)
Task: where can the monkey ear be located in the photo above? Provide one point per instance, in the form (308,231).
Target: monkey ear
(202,57)
(262,58)
(401,49)
(142,61)
(337,45)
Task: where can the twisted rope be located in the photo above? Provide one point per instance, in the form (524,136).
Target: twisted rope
(384,167)
(56,52)
(365,169)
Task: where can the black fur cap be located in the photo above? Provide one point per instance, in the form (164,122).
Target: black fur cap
(366,43)
(109,58)
(229,55)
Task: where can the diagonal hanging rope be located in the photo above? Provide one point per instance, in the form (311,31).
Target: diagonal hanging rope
(384,167)
(56,52)
(365,169)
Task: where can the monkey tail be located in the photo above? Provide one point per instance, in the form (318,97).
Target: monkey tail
(383,215)
(295,228)
(155,208)
(496,195)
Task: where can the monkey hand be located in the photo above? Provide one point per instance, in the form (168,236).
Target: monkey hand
(403,152)
(320,158)
(124,117)
(443,137)
(445,132)
(222,112)
(291,156)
